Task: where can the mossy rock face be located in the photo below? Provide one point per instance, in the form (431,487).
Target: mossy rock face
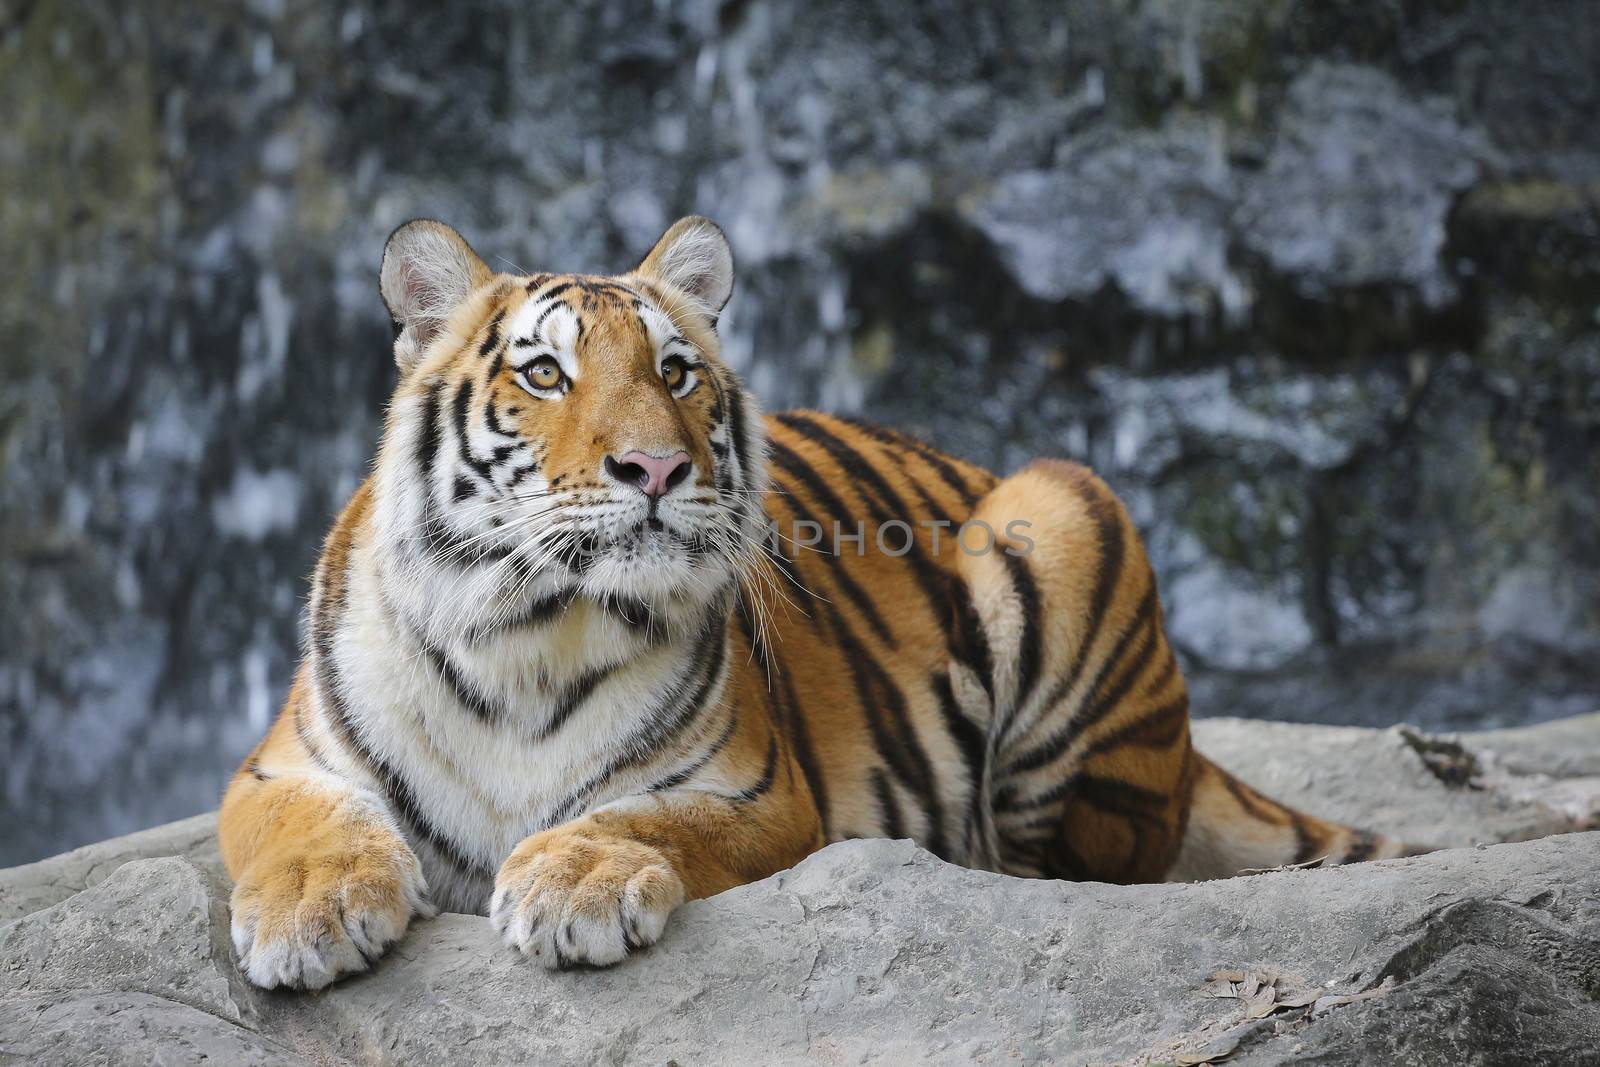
(1313,285)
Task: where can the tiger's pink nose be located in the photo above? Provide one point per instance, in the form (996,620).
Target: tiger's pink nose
(655,476)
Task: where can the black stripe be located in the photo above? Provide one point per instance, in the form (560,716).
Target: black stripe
(573,697)
(769,772)
(894,824)
(1159,728)
(736,430)
(1305,847)
(896,449)
(483,707)
(788,566)
(1029,651)
(463,401)
(969,641)
(889,723)
(936,512)
(490,418)
(447,546)
(971,743)
(489,710)
(1116,797)
(791,464)
(1108,531)
(517,474)
(1363,845)
(1098,704)
(1066,862)
(538,612)
(661,731)
(605,287)
(631,612)
(722,455)
(1006,801)
(1251,801)
(538,324)
(554,292)
(492,339)
(884,503)
(966,734)
(1110,795)
(1169,667)
(927,453)
(678,777)
(1093,707)
(307,741)
(785,704)
(428,442)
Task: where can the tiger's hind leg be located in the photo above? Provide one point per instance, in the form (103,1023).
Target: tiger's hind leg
(1090,768)
(1089,772)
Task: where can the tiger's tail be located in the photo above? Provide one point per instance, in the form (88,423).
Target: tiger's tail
(1233,829)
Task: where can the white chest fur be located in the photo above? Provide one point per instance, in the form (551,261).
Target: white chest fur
(490,740)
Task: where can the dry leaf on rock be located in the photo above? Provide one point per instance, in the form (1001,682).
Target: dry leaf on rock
(1262,1004)
(1299,1000)
(1322,1004)
(1211,1052)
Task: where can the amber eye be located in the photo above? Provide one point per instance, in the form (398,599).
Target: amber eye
(543,373)
(674,373)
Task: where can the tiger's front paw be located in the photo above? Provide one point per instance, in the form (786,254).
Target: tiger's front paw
(302,919)
(565,897)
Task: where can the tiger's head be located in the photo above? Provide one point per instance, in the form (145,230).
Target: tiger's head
(563,434)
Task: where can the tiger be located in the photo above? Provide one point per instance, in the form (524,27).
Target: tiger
(596,637)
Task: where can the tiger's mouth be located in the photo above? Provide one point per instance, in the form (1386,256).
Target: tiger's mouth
(626,548)
(657,563)
(652,534)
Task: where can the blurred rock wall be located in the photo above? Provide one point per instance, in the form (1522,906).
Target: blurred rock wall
(1315,286)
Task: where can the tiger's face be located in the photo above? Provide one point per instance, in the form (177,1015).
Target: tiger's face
(562,433)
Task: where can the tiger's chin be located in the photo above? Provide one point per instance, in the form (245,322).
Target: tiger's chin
(658,565)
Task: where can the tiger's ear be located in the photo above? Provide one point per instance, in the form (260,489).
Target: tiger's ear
(693,256)
(428,270)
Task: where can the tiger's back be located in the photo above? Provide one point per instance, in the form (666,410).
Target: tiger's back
(981,665)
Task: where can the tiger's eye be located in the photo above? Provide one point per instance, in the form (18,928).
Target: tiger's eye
(673,373)
(543,373)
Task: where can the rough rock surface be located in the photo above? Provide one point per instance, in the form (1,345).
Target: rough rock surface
(879,952)
(1312,284)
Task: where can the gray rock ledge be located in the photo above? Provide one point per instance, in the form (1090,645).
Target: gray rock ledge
(879,952)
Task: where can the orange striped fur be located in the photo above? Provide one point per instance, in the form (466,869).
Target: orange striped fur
(538,688)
